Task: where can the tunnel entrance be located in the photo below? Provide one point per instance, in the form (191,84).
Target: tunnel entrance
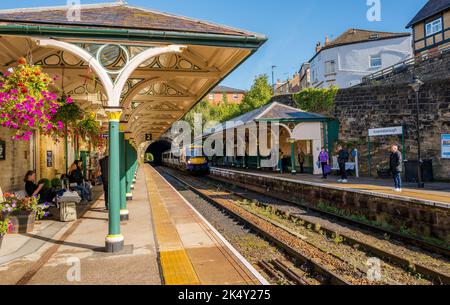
(157,149)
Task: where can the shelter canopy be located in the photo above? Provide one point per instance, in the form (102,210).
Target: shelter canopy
(190,57)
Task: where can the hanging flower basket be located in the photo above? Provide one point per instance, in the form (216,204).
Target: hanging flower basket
(26,103)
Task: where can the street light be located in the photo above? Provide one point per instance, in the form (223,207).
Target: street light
(416,84)
(273,79)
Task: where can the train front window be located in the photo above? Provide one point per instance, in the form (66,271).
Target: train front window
(195,152)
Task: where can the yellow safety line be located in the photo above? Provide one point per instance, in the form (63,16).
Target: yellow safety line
(176,267)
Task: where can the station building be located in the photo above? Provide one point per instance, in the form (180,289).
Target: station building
(137,69)
(298,130)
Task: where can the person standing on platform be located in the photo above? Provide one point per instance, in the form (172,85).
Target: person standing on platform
(343,157)
(104,172)
(281,162)
(301,160)
(396,167)
(324,159)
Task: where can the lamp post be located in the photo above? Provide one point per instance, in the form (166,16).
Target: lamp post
(416,84)
(273,79)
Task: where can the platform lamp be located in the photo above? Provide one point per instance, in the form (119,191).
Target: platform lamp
(416,84)
(273,79)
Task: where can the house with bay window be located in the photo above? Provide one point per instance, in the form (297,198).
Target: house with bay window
(344,61)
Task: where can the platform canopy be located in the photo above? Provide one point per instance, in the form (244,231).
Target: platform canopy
(152,66)
(273,112)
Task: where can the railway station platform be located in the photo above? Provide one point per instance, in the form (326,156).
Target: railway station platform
(436,193)
(166,242)
(423,213)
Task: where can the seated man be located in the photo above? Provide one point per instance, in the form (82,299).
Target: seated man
(76,177)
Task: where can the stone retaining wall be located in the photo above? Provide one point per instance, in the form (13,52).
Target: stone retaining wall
(399,214)
(359,109)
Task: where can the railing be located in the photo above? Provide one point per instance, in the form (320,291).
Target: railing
(404,65)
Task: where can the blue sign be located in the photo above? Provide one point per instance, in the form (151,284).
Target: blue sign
(445,146)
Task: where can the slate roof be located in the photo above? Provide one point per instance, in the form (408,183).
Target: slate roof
(271,112)
(116,15)
(430,9)
(352,36)
(225,89)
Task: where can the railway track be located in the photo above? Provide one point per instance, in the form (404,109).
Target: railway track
(325,268)
(406,264)
(427,246)
(195,185)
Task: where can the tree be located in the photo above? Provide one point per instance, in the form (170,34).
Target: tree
(259,94)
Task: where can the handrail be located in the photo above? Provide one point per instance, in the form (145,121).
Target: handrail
(404,64)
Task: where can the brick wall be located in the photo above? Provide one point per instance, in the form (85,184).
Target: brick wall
(18,162)
(361,108)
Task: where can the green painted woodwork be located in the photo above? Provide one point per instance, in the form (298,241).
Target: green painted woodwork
(114,179)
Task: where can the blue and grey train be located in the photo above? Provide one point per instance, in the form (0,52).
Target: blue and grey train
(188,159)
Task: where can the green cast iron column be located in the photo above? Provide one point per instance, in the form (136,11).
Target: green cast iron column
(135,164)
(293,165)
(129,194)
(124,213)
(114,240)
(258,157)
(129,168)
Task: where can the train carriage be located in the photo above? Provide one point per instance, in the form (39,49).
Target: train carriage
(189,159)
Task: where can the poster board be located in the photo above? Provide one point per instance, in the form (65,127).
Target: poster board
(445,146)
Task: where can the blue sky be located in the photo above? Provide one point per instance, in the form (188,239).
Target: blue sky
(293,26)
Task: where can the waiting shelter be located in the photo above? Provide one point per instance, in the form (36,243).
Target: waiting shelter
(138,70)
(298,130)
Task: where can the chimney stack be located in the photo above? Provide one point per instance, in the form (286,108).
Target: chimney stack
(327,41)
(318,47)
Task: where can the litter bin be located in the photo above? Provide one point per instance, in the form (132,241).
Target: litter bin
(411,171)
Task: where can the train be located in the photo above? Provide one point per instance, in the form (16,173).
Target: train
(188,159)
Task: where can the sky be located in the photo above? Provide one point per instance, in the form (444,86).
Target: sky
(292,26)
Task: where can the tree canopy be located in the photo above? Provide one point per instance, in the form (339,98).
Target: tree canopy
(259,95)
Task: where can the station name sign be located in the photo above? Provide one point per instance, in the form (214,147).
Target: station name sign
(388,131)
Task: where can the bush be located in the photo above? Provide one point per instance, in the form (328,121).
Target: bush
(56,183)
(316,99)
(46,182)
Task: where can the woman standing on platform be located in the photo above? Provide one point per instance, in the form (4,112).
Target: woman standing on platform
(324,159)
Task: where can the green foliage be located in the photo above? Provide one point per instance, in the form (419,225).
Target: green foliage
(149,157)
(258,96)
(4,227)
(69,114)
(316,99)
(46,182)
(56,183)
(89,127)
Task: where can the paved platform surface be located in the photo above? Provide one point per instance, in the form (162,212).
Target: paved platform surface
(433,193)
(191,251)
(166,242)
(52,254)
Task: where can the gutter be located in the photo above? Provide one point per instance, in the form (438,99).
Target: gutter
(251,42)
